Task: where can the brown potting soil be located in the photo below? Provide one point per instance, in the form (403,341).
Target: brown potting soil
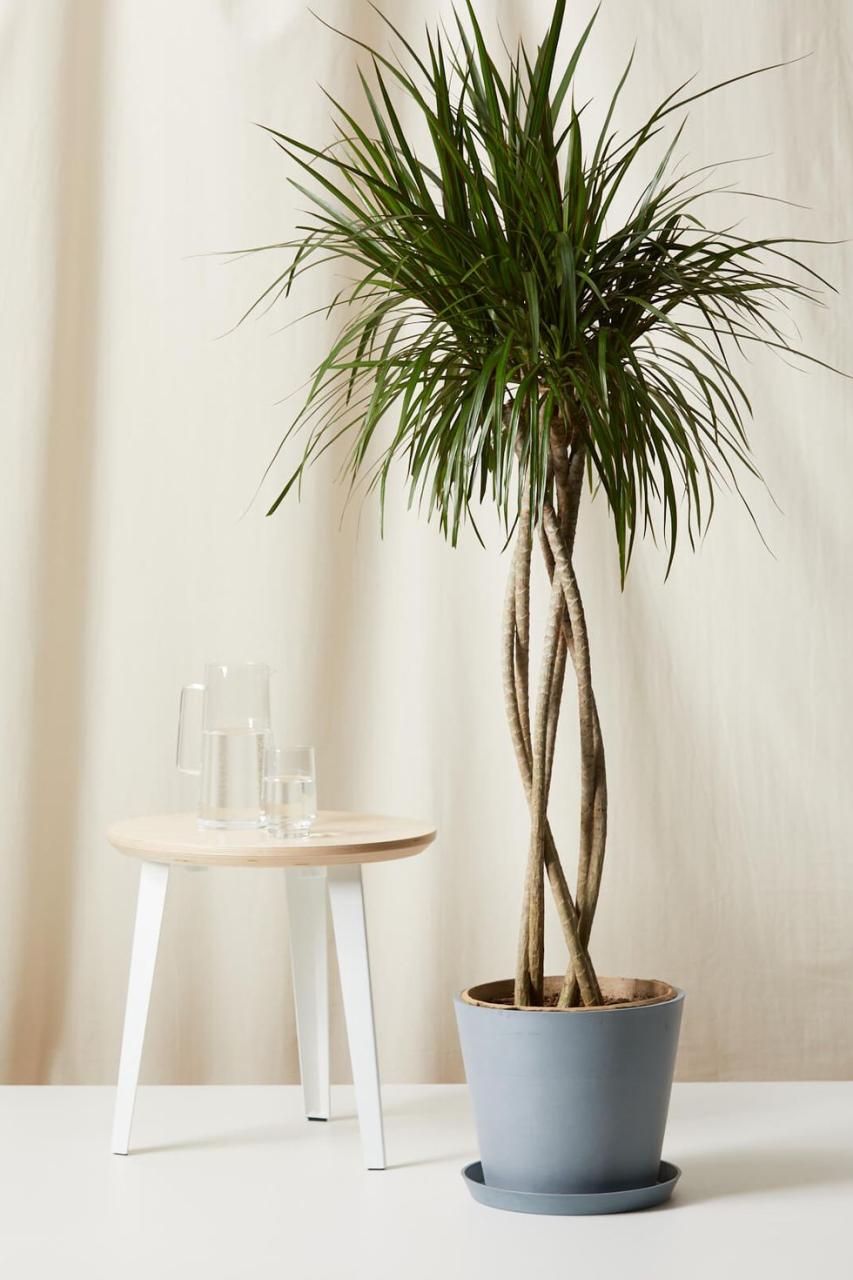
(550,1002)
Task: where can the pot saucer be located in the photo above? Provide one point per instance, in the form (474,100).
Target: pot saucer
(572,1204)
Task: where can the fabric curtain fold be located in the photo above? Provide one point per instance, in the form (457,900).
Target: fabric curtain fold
(137,426)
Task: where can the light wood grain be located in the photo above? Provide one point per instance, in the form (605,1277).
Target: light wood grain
(337,837)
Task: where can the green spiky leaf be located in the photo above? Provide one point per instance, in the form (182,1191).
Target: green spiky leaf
(496,294)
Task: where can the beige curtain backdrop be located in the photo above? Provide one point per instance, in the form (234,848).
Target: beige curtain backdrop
(134,435)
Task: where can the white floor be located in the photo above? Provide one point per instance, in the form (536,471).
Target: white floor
(232,1184)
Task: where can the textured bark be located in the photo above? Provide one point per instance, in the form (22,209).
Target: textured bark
(534,746)
(581,968)
(555,699)
(568,481)
(533,897)
(567,584)
(586,982)
(539,799)
(522,620)
(572,990)
(522,755)
(593,816)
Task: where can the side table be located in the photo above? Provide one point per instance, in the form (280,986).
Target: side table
(328,860)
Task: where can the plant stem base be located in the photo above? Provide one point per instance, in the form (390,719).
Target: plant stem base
(572,1205)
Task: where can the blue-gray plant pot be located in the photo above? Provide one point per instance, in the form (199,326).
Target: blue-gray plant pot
(571,1101)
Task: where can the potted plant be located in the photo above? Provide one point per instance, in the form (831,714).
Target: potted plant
(521,330)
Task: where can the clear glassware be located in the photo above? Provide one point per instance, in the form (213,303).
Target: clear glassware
(223,732)
(290,790)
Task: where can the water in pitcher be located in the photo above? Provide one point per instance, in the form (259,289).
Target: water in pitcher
(291,803)
(232,777)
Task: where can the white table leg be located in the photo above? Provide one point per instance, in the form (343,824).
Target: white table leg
(306,911)
(153,881)
(347,902)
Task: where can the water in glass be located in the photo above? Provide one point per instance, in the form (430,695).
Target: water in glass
(232,777)
(290,790)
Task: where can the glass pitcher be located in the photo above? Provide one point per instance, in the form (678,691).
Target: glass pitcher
(223,731)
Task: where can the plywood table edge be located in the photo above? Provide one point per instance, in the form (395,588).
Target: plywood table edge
(181,852)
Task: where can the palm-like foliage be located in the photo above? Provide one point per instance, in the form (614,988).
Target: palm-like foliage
(488,276)
(520,320)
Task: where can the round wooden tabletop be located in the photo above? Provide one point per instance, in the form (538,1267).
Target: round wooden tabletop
(336,837)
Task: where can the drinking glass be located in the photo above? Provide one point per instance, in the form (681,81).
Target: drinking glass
(290,790)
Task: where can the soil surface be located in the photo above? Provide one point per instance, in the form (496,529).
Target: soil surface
(550,1002)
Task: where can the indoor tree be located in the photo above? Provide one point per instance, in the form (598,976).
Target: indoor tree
(519,328)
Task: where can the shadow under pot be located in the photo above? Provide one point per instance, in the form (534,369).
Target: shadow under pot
(571,1104)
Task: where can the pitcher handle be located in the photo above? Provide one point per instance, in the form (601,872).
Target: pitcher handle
(190,723)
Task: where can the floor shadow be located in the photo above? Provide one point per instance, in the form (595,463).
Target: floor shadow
(276,1135)
(717,1174)
(463,1157)
(260,1136)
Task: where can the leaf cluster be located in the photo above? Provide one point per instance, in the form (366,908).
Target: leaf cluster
(505,291)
